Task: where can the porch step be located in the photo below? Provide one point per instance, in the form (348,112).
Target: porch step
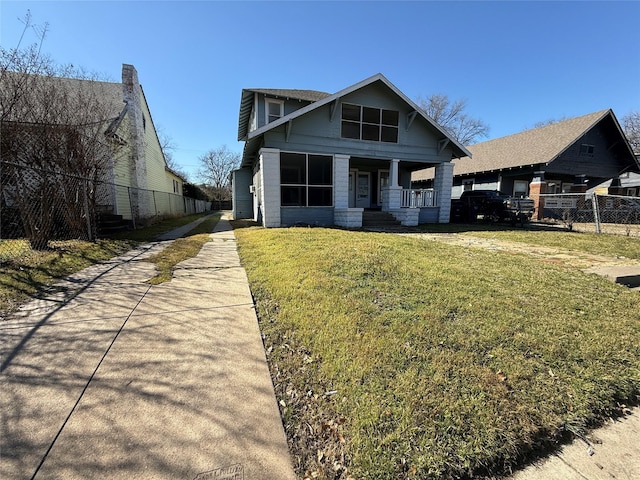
(375,220)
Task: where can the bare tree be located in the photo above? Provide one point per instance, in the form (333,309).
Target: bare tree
(451,116)
(215,170)
(631,127)
(549,121)
(168,148)
(55,150)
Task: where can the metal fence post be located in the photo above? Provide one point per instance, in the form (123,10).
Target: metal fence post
(86,211)
(133,216)
(596,213)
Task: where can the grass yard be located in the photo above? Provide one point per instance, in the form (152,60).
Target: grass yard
(396,357)
(23,277)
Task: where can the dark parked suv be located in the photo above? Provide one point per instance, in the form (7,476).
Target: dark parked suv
(491,205)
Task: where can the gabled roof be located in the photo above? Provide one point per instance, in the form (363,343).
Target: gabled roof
(538,146)
(307,95)
(246,102)
(251,137)
(107,94)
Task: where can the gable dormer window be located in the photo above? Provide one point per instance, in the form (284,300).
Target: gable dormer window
(369,123)
(274,109)
(587,150)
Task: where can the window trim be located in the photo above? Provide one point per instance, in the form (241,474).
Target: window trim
(275,101)
(362,124)
(520,182)
(587,150)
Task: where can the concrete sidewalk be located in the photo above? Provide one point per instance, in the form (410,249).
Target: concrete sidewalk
(109,377)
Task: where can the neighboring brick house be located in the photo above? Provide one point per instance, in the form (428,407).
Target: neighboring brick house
(568,156)
(324,159)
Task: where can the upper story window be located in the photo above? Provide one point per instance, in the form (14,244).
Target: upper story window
(587,150)
(274,109)
(369,123)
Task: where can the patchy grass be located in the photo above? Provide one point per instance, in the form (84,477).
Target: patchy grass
(597,244)
(545,236)
(398,358)
(31,271)
(25,272)
(181,249)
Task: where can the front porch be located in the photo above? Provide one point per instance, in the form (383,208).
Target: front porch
(385,185)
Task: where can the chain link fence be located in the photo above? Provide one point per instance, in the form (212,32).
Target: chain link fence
(613,214)
(39,208)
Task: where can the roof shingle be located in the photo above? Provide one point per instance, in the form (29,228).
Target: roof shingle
(532,147)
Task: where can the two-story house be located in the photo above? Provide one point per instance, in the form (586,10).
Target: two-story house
(324,159)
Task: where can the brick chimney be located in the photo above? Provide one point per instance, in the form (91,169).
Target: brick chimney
(133,97)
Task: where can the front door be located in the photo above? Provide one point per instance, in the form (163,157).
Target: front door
(353,174)
(363,190)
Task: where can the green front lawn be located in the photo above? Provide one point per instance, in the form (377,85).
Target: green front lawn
(395,357)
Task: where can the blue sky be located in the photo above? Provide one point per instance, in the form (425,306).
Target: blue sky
(515,62)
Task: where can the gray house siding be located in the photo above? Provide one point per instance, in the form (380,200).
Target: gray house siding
(316,132)
(429,215)
(242,198)
(290,106)
(319,216)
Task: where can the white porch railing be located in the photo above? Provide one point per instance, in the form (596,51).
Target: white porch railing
(426,197)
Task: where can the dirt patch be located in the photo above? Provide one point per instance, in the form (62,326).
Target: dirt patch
(570,258)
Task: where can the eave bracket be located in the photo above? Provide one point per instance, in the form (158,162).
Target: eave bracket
(411,116)
(334,109)
(287,130)
(442,144)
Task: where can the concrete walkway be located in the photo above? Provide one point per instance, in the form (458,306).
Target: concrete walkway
(110,377)
(612,451)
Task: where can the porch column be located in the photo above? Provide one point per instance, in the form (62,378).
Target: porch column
(392,193)
(343,216)
(442,183)
(270,173)
(393,172)
(538,187)
(341,181)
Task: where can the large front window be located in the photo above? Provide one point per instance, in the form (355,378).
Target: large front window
(369,123)
(306,180)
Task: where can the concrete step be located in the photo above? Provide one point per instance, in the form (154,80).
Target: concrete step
(627,275)
(378,219)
